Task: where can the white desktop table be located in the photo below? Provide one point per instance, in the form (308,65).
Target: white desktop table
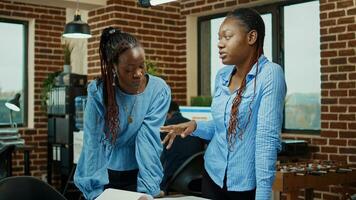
(112,194)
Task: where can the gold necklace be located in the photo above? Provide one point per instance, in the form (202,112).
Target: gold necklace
(129,114)
(129,117)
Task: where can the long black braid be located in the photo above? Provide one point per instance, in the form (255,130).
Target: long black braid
(250,20)
(113,43)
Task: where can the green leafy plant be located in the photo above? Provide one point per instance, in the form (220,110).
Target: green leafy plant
(200,101)
(47,85)
(67,51)
(152,68)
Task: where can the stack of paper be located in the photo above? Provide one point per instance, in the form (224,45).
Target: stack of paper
(10,136)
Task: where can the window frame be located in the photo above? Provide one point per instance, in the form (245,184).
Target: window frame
(276,10)
(24,94)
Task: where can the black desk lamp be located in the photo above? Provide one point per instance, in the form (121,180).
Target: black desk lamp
(13,105)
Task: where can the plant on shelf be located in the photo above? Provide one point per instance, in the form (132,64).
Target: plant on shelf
(55,78)
(67,51)
(47,85)
(63,78)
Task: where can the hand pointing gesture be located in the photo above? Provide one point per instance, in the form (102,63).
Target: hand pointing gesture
(183,129)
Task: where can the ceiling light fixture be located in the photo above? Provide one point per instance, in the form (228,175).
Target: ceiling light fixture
(149,3)
(77,28)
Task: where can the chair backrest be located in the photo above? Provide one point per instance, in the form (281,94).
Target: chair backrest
(5,160)
(188,177)
(27,188)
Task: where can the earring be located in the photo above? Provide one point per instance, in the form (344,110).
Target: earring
(114,79)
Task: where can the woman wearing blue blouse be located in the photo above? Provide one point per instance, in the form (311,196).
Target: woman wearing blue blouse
(247,112)
(123,114)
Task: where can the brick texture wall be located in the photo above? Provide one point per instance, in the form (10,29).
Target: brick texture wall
(337,140)
(161,30)
(48,57)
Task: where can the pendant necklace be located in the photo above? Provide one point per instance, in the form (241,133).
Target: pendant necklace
(129,114)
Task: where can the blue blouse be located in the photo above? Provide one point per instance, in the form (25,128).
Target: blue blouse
(138,145)
(252,162)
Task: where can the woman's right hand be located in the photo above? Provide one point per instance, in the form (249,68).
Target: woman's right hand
(183,129)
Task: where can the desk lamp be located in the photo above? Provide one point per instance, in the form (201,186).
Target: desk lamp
(13,105)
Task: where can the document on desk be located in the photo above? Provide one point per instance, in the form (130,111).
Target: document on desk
(113,194)
(182,198)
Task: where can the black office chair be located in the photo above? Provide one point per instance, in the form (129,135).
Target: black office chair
(188,177)
(27,188)
(5,160)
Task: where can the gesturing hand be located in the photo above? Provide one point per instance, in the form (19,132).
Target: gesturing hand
(172,131)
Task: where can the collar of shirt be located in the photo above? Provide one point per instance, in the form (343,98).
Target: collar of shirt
(225,77)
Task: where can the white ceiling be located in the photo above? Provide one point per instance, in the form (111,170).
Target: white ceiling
(83,4)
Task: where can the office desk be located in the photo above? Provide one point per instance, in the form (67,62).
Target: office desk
(110,194)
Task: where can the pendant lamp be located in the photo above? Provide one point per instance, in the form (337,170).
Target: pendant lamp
(148,3)
(77,28)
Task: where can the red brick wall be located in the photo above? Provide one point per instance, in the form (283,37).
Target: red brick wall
(337,140)
(49,24)
(338,60)
(161,30)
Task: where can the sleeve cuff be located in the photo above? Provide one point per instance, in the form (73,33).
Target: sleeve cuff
(152,193)
(201,128)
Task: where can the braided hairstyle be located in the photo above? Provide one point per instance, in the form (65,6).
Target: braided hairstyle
(250,20)
(113,43)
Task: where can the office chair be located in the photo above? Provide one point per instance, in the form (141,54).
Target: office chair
(5,160)
(27,188)
(187,178)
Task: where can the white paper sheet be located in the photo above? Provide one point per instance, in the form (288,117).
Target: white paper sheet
(114,194)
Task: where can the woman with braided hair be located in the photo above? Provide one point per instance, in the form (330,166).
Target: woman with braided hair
(124,111)
(247,112)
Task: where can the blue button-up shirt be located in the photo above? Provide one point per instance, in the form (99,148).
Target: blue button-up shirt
(138,145)
(251,163)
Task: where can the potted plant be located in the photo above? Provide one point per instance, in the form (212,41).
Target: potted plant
(67,51)
(58,77)
(67,68)
(47,85)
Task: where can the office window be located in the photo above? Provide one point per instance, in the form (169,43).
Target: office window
(286,43)
(13,69)
(302,66)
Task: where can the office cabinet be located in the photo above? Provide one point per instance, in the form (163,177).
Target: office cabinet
(61,124)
